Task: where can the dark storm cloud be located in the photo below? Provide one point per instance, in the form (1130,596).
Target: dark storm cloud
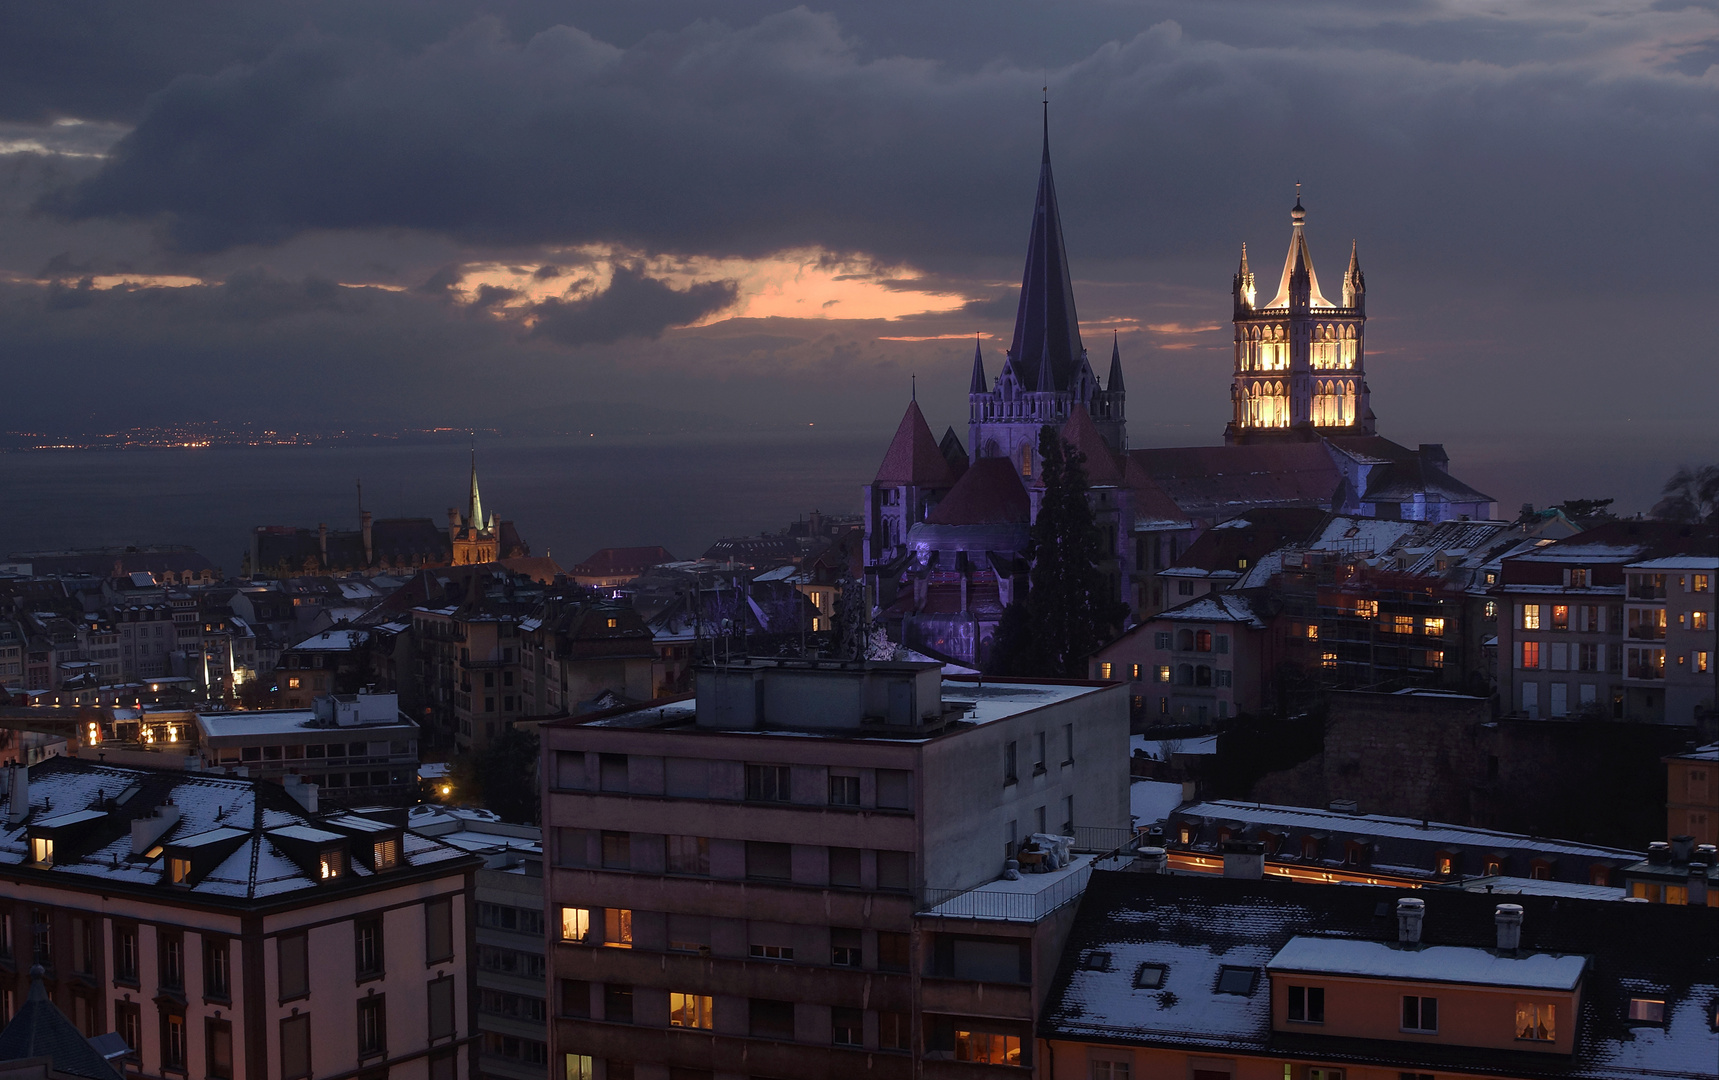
(787,132)
(634,305)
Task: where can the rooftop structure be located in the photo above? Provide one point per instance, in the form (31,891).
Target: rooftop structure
(1170,975)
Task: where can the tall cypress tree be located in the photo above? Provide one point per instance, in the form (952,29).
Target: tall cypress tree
(1069,609)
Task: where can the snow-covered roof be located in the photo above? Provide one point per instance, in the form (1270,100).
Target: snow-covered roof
(1151,801)
(334,640)
(1431,963)
(1678,562)
(1336,822)
(1146,956)
(214,810)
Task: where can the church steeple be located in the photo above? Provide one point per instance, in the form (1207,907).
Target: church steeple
(1299,286)
(977,384)
(474,506)
(1113,384)
(1244,289)
(1047,330)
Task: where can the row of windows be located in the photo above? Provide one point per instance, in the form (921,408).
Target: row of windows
(695,778)
(765,1018)
(613,928)
(1040,746)
(752,859)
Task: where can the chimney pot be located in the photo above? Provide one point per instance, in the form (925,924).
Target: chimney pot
(1411,913)
(1659,852)
(1150,860)
(1508,918)
(1682,847)
(1697,896)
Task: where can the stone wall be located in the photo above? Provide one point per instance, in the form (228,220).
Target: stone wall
(1445,758)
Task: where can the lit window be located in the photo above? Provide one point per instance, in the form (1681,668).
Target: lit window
(1697,621)
(332,865)
(1434,627)
(1701,582)
(1367,609)
(1647,1010)
(292,682)
(1435,658)
(1701,661)
(618,928)
(1560,616)
(575,924)
(579,1067)
(1490,610)
(1026,461)
(1163,673)
(1134,672)
(1312,631)
(1104,671)
(987,1047)
(1536,1022)
(1329,660)
(614,623)
(386,853)
(1530,616)
(1530,654)
(689,1010)
(178,870)
(42,850)
(1400,624)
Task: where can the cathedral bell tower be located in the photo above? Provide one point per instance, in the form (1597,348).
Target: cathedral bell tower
(1299,359)
(474,538)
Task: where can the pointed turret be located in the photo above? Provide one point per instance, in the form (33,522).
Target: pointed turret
(1354,282)
(1047,330)
(1246,293)
(1299,286)
(913,456)
(977,384)
(1113,384)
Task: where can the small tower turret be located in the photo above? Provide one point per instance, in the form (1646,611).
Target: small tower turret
(1354,282)
(1245,290)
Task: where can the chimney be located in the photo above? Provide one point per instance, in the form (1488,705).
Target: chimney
(1410,914)
(1682,847)
(364,527)
(18,785)
(1508,918)
(1659,853)
(304,794)
(322,541)
(146,831)
(1697,885)
(1150,860)
(1244,859)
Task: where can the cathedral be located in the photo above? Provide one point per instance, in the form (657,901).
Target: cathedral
(946,533)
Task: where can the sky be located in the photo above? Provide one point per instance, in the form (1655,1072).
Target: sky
(671,219)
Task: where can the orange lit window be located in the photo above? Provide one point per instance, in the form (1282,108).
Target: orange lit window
(618,928)
(1530,654)
(987,1048)
(1530,616)
(1560,616)
(292,682)
(1433,627)
(1536,1022)
(1312,632)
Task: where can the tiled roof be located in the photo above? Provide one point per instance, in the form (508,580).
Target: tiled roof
(1218,482)
(989,493)
(40,1030)
(913,456)
(608,562)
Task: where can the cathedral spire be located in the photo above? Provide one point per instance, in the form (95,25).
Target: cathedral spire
(977,384)
(1047,330)
(1246,293)
(474,507)
(1114,383)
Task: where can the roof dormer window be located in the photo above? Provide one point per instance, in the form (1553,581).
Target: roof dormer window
(179,869)
(385,855)
(42,850)
(333,863)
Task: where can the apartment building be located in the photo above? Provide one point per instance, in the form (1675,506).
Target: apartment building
(1670,629)
(228,932)
(773,878)
(1585,626)
(1692,794)
(1207,659)
(1225,979)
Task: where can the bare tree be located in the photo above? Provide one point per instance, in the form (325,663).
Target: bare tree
(1691,496)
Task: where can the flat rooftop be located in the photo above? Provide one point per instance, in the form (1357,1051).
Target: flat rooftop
(283,722)
(964,702)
